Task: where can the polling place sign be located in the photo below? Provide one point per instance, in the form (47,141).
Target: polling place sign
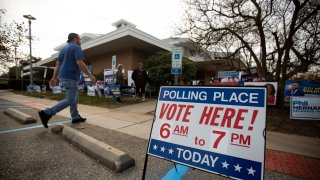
(215,129)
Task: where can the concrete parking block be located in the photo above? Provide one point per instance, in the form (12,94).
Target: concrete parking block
(113,158)
(20,116)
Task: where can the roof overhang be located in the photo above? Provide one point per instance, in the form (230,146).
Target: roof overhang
(126,37)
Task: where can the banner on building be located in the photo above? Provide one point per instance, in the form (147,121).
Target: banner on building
(305,108)
(215,129)
(272,90)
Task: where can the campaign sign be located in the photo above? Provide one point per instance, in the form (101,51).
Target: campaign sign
(112,90)
(108,76)
(229,78)
(305,108)
(56,90)
(222,74)
(91,91)
(272,89)
(215,129)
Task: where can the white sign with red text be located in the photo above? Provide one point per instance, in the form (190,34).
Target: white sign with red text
(216,129)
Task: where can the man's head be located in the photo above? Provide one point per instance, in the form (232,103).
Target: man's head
(294,86)
(140,66)
(74,37)
(120,66)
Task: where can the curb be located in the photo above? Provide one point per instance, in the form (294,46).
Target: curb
(20,116)
(108,155)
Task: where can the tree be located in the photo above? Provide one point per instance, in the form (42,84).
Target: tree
(11,36)
(281,37)
(159,68)
(312,75)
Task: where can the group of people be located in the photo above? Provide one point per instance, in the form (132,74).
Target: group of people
(67,70)
(140,78)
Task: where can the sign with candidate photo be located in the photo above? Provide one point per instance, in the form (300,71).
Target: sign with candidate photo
(215,129)
(272,90)
(301,88)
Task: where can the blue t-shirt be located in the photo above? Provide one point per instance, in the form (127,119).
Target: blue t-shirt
(68,65)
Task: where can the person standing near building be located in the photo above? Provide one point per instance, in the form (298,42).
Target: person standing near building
(120,80)
(140,78)
(67,70)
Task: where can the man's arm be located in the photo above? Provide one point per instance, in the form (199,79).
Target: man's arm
(85,70)
(54,79)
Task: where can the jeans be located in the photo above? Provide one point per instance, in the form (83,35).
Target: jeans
(72,98)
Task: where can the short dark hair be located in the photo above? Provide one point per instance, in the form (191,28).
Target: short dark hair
(71,36)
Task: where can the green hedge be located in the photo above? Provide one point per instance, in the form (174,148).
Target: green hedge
(16,84)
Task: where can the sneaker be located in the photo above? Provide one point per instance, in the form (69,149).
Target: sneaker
(44,118)
(143,99)
(81,119)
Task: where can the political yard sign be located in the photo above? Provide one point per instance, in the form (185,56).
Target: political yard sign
(305,108)
(215,129)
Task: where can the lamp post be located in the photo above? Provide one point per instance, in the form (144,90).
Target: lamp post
(29,17)
(15,60)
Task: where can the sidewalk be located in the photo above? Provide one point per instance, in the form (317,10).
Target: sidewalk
(288,154)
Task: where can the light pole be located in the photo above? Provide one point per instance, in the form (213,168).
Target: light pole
(16,61)
(29,17)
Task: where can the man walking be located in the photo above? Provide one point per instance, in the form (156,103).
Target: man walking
(67,69)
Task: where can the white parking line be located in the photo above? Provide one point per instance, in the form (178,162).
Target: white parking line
(31,127)
(15,107)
